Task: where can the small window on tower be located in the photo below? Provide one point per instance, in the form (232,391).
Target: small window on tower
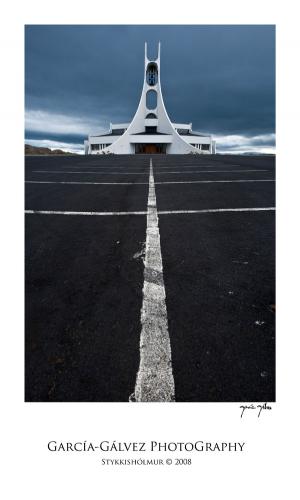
(151,99)
(151,130)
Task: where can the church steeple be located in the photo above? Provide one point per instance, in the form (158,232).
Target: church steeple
(151,125)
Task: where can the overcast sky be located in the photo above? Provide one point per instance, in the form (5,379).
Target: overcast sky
(78,79)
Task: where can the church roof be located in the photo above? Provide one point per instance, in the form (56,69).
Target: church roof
(190,132)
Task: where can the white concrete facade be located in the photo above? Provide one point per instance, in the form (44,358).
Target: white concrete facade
(151,130)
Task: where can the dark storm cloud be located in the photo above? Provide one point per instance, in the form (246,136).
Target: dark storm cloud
(221,78)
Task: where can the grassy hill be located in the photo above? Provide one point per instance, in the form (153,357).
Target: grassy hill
(33,150)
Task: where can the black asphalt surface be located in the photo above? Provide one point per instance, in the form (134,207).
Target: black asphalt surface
(84,277)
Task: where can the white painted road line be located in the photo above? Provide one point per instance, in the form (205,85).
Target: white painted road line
(61,212)
(146,183)
(92,183)
(210,171)
(132,167)
(154,382)
(114,168)
(156,168)
(212,182)
(87,172)
(216,210)
(144,173)
(160,212)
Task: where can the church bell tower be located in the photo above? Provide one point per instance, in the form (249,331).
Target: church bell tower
(151,118)
(151,130)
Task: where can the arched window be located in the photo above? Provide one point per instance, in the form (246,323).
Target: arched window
(152,74)
(151,115)
(151,99)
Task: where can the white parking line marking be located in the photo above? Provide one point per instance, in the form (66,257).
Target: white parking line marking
(216,210)
(146,183)
(107,167)
(160,212)
(61,212)
(154,382)
(92,183)
(209,171)
(142,173)
(211,182)
(87,172)
(156,168)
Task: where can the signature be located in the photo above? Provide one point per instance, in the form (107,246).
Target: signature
(258,407)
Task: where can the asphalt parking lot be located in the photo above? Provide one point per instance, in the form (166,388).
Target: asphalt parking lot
(86,224)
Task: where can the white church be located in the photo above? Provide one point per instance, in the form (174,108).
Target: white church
(151,130)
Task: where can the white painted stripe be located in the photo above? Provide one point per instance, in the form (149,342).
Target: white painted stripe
(61,212)
(211,182)
(87,172)
(157,167)
(132,167)
(92,183)
(160,212)
(143,173)
(216,210)
(146,183)
(210,171)
(154,382)
(107,167)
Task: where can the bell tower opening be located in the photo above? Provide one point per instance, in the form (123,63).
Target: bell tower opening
(151,75)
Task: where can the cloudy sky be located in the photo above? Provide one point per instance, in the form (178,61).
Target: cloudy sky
(78,79)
